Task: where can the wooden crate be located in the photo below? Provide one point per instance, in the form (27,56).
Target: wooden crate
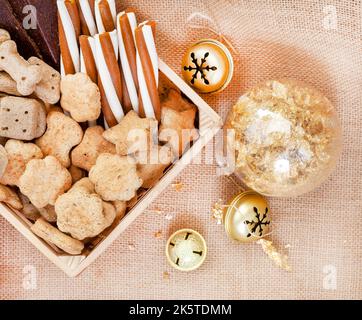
(209,124)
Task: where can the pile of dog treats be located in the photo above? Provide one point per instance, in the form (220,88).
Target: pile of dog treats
(78,147)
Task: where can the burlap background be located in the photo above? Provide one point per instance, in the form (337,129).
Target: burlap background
(276,38)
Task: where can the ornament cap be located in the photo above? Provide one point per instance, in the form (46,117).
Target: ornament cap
(247,217)
(186,250)
(208,66)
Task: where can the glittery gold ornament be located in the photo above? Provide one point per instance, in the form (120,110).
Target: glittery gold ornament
(279,259)
(286,138)
(186,250)
(247,217)
(208,66)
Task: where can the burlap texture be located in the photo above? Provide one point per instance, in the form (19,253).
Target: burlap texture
(279,38)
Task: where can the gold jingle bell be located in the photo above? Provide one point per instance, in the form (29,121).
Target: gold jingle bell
(186,250)
(208,66)
(247,218)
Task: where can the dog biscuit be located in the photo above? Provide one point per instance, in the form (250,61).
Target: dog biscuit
(43,181)
(4,160)
(48,89)
(51,234)
(177,122)
(19,154)
(76,173)
(48,213)
(4,36)
(121,208)
(8,196)
(8,85)
(82,213)
(26,76)
(152,164)
(21,118)
(29,210)
(62,134)
(115,177)
(93,144)
(80,97)
(131,134)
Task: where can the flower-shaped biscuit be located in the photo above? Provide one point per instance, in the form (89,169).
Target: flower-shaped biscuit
(19,154)
(80,97)
(43,181)
(82,213)
(115,177)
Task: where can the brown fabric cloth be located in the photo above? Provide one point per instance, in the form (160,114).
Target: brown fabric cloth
(323,228)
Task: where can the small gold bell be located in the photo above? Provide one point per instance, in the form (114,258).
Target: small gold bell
(186,250)
(247,217)
(208,66)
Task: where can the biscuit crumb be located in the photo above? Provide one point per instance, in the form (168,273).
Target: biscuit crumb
(158,235)
(168,216)
(177,186)
(157,211)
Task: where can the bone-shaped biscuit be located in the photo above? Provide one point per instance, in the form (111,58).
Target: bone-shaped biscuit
(27,76)
(4,35)
(8,85)
(48,89)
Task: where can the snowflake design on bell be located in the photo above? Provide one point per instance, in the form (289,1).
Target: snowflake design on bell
(259,223)
(199,68)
